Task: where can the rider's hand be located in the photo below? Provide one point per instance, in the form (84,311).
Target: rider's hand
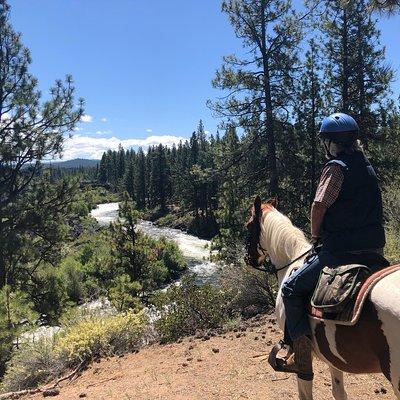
(315,240)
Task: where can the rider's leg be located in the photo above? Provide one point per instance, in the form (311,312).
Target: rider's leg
(295,294)
(297,289)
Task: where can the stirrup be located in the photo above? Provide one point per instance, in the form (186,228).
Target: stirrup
(277,363)
(280,365)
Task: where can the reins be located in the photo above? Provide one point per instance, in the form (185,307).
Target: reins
(274,269)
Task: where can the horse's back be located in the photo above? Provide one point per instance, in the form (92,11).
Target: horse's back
(385,296)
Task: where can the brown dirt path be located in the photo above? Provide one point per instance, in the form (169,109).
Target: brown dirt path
(222,367)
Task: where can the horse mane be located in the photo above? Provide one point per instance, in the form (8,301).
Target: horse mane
(283,241)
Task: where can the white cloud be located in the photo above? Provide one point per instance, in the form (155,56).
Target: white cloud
(86,118)
(103,132)
(77,129)
(79,146)
(104,119)
(148,130)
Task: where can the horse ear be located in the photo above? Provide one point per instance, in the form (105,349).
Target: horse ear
(273,202)
(257,203)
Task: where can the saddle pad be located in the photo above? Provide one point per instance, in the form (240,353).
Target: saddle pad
(361,297)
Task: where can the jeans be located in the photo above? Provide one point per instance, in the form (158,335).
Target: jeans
(297,290)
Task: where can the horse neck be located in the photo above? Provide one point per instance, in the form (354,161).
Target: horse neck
(283,241)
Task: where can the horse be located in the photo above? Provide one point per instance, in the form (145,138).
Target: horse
(372,345)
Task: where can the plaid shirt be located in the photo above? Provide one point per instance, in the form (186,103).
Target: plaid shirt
(329,185)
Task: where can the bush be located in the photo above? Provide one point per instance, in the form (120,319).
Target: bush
(94,336)
(172,258)
(124,292)
(392,248)
(99,337)
(31,365)
(253,291)
(391,198)
(187,308)
(71,271)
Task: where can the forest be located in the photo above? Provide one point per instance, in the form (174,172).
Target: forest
(53,254)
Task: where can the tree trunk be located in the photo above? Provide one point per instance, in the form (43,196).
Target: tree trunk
(269,127)
(313,128)
(345,64)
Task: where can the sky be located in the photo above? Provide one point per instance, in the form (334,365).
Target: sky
(143,67)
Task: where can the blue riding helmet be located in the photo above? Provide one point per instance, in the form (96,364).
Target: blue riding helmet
(339,128)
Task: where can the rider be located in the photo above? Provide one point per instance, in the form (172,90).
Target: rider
(346,217)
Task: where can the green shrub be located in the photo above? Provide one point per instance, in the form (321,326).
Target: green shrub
(391,200)
(124,292)
(15,306)
(253,291)
(392,248)
(187,308)
(32,364)
(172,258)
(71,271)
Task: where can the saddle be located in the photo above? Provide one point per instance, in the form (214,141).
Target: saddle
(342,290)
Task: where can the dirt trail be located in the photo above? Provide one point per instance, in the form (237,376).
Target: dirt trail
(221,367)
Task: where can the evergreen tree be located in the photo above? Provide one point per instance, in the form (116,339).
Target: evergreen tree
(308,112)
(129,180)
(357,77)
(29,132)
(260,87)
(140,179)
(103,168)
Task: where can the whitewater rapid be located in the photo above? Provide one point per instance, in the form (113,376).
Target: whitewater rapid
(195,250)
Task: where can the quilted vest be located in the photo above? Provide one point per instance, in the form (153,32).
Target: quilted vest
(355,219)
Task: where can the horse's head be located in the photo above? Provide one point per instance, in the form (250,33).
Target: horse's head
(256,254)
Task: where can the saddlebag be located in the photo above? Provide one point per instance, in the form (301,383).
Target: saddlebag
(337,290)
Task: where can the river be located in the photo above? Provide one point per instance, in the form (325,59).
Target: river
(195,250)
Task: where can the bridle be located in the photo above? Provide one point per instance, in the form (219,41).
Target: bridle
(255,231)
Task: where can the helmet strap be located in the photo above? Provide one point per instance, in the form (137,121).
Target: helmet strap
(327,149)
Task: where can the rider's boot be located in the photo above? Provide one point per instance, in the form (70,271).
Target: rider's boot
(299,363)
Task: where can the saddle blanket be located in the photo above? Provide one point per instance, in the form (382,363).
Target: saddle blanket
(362,296)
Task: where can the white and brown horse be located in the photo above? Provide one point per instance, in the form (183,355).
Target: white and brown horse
(370,346)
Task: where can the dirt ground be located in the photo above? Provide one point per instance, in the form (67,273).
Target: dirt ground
(224,366)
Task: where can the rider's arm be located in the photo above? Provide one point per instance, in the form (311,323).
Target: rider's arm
(327,192)
(318,211)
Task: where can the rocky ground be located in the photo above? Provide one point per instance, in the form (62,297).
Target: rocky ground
(217,366)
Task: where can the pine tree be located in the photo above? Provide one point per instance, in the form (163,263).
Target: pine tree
(129,179)
(358,78)
(140,179)
(120,163)
(309,111)
(260,87)
(103,169)
(231,196)
(30,130)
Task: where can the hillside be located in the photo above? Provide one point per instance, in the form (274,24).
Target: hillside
(225,366)
(75,163)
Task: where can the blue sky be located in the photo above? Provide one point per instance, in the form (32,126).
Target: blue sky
(143,67)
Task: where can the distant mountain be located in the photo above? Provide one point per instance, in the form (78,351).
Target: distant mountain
(75,163)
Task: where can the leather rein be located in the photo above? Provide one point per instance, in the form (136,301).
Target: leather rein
(273,268)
